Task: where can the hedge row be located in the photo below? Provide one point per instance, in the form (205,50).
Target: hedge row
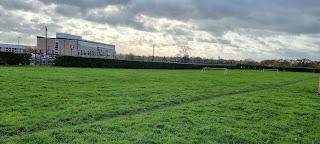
(69,61)
(292,69)
(249,66)
(9,58)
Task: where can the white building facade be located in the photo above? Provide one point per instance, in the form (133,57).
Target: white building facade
(71,45)
(14,48)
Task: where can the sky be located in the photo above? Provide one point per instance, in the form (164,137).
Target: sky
(231,29)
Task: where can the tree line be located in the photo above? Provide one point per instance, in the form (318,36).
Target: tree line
(285,63)
(174,59)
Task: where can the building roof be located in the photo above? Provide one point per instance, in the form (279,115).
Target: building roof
(15,46)
(68,36)
(97,43)
(81,40)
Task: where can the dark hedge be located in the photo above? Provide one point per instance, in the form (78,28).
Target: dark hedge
(69,61)
(9,58)
(292,69)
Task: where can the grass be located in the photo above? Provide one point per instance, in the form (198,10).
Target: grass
(84,105)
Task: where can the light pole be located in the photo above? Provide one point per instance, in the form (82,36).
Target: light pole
(46,46)
(48,56)
(153,53)
(18,42)
(71,48)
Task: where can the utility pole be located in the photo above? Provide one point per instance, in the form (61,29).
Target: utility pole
(71,47)
(319,86)
(52,52)
(46,46)
(153,53)
(18,42)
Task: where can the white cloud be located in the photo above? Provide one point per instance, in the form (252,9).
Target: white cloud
(231,29)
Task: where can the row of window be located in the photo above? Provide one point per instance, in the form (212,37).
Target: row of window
(9,49)
(92,53)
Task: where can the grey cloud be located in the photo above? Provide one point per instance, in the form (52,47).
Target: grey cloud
(189,38)
(235,46)
(219,16)
(216,17)
(166,45)
(68,10)
(121,18)
(12,23)
(276,42)
(228,43)
(295,54)
(178,30)
(224,41)
(87,4)
(177,9)
(26,5)
(87,32)
(261,42)
(256,19)
(182,40)
(207,40)
(35,20)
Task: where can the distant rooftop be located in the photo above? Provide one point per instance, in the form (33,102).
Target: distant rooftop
(75,37)
(15,45)
(68,36)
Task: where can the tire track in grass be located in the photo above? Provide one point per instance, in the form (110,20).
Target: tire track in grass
(164,107)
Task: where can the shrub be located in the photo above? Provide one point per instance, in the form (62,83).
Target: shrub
(292,69)
(69,61)
(14,58)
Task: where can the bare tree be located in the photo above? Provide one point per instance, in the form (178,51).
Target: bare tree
(130,56)
(184,53)
(317,65)
(249,61)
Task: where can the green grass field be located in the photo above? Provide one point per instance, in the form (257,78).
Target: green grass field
(86,105)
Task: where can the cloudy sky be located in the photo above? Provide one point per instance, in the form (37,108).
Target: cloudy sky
(232,29)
